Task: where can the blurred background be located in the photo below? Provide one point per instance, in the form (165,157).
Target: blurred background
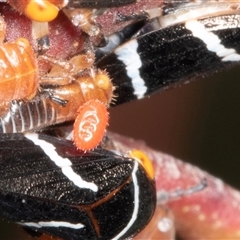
(197,122)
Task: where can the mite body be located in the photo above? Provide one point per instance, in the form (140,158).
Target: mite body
(49,186)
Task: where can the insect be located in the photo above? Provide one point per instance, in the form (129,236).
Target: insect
(20,71)
(56,104)
(49,186)
(165,53)
(63,90)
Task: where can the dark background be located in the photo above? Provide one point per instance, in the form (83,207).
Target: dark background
(197,122)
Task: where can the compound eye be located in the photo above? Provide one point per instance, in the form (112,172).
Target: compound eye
(144,160)
(41,11)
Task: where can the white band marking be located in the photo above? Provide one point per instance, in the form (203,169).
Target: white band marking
(64,163)
(136,202)
(89,124)
(127,53)
(212,41)
(55,224)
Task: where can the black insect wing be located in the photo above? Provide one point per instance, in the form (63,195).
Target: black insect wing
(49,186)
(165,57)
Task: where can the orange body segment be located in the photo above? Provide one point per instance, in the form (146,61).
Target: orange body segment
(18,71)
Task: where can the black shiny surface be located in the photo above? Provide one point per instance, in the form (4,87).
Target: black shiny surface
(34,189)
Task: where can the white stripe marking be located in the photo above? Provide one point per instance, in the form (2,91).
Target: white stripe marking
(55,224)
(38,113)
(136,202)
(30,118)
(212,41)
(22,119)
(45,114)
(64,163)
(127,53)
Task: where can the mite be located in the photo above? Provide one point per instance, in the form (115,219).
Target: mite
(48,186)
(165,53)
(85,99)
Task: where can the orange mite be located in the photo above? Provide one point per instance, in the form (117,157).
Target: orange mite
(91,94)
(87,100)
(90,125)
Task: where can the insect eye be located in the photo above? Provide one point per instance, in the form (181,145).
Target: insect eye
(144,160)
(41,11)
(102,80)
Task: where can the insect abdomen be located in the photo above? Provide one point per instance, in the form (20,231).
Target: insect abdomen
(28,116)
(18,71)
